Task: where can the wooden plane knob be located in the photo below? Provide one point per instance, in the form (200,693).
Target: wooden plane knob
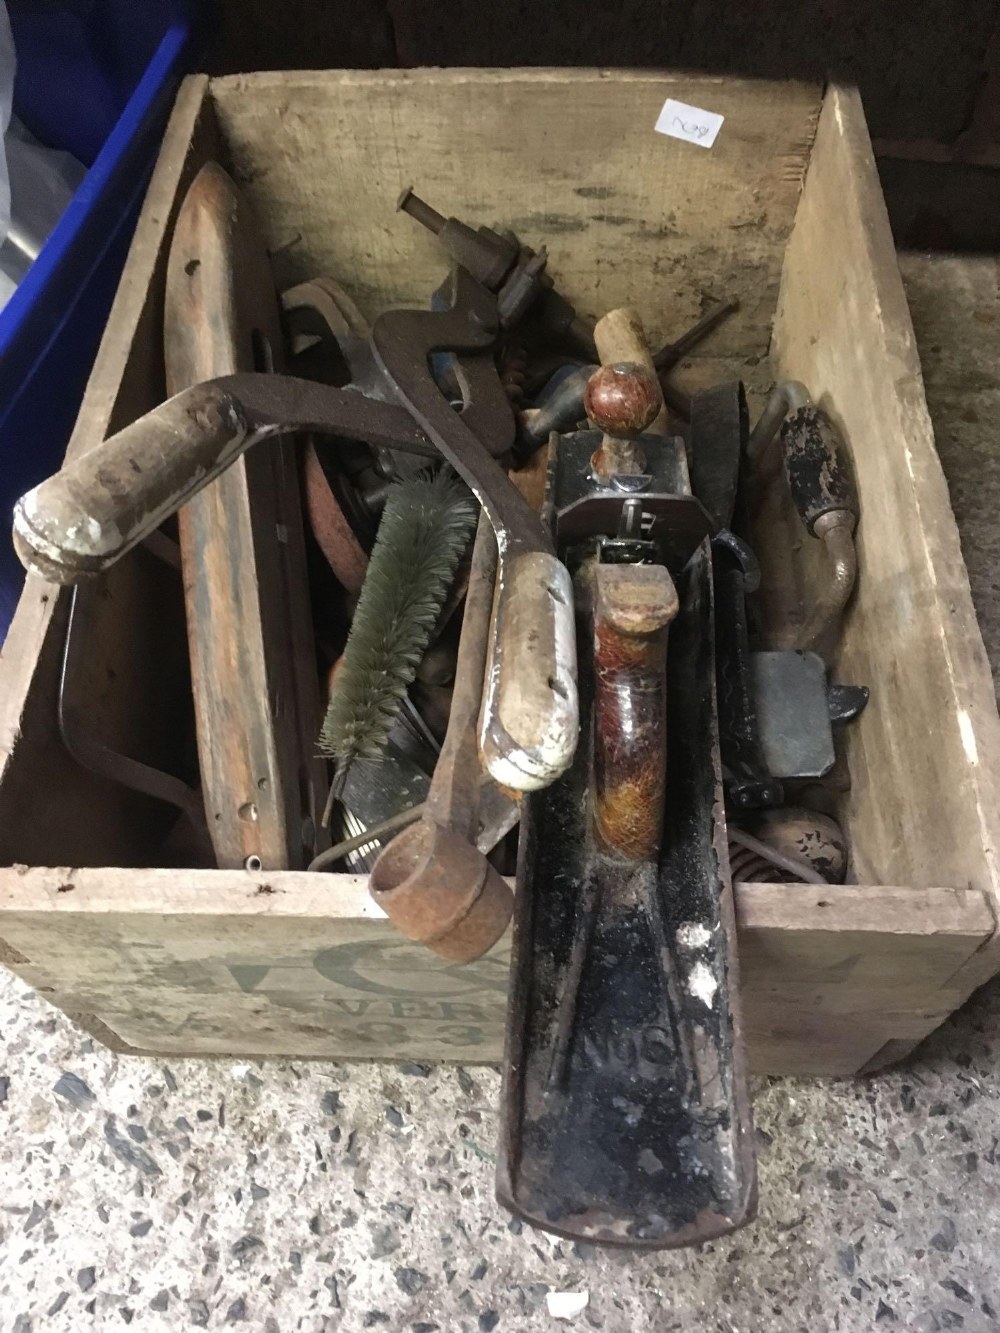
(622,399)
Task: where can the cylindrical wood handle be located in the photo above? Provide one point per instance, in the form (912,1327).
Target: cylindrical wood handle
(620,337)
(633,607)
(530,719)
(100,505)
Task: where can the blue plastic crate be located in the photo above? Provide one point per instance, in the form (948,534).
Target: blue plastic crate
(97,78)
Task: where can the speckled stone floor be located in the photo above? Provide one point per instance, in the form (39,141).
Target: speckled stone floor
(314,1197)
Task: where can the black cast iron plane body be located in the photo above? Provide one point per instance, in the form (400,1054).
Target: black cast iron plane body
(625,1115)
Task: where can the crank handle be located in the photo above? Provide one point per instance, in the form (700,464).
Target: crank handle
(530,721)
(99,506)
(109,499)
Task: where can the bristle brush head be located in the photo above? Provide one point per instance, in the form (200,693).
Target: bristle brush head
(426,525)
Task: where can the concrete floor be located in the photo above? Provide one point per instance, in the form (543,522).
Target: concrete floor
(318,1197)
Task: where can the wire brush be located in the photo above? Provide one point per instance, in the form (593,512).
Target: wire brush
(426,525)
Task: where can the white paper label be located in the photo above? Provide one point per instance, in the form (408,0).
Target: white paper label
(681,121)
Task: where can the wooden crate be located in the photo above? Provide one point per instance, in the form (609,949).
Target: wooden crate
(785,212)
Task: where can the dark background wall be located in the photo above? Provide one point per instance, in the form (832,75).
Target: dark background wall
(928,70)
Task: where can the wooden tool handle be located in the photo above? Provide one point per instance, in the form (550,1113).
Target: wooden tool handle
(621,339)
(619,336)
(633,607)
(101,505)
(530,720)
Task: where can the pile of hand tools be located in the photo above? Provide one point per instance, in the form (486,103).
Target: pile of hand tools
(520,565)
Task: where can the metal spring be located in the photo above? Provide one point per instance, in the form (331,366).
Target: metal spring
(513,373)
(752,861)
(746,867)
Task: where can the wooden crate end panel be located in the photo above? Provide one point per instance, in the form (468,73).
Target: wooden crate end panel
(44,797)
(645,214)
(225,963)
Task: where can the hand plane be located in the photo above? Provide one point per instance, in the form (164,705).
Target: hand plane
(625,1113)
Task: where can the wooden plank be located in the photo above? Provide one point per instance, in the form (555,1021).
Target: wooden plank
(249,623)
(565,157)
(925,756)
(50,808)
(292,964)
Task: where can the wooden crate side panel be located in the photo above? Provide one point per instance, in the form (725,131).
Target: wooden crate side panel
(565,157)
(131,681)
(924,757)
(51,808)
(291,964)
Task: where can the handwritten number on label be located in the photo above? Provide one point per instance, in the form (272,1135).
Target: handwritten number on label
(693,124)
(692,128)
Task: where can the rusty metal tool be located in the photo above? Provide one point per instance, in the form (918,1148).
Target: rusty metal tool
(484,253)
(671,353)
(103,503)
(516,273)
(320,312)
(100,505)
(528,728)
(256,688)
(431,880)
(625,1114)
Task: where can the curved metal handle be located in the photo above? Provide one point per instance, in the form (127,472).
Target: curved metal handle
(530,719)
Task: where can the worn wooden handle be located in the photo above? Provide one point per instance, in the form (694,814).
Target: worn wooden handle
(99,506)
(530,716)
(633,608)
(620,339)
(619,336)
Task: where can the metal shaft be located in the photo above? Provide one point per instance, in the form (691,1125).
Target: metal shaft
(428,217)
(671,353)
(453,798)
